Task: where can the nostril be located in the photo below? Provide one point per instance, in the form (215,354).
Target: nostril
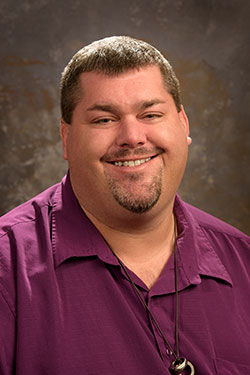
(124,145)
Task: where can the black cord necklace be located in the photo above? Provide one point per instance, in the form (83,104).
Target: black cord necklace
(180,364)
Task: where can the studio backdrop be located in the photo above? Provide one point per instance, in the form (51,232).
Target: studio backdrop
(207,42)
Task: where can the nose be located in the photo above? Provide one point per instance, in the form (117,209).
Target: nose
(131,133)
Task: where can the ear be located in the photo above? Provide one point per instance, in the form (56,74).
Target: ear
(64,131)
(185,123)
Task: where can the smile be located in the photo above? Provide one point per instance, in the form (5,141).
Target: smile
(131,163)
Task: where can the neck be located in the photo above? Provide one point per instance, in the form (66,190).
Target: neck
(144,249)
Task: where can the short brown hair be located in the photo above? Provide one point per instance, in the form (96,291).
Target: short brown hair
(112,56)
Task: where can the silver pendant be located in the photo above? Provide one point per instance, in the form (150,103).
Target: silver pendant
(179,365)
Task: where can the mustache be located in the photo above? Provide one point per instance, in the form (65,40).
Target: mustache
(126,152)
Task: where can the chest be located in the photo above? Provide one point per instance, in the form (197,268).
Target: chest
(90,321)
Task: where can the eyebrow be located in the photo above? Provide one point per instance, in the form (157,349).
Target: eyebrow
(114,108)
(102,107)
(150,103)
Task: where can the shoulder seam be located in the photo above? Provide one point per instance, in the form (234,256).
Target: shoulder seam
(23,222)
(239,235)
(219,226)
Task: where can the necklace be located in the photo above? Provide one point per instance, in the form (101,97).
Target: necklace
(179,364)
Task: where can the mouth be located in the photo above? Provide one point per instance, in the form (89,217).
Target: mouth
(131,163)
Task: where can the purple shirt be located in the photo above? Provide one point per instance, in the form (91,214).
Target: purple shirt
(66,306)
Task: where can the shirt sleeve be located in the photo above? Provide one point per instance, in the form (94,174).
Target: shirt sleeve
(7,337)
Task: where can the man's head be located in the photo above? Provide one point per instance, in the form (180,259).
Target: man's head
(113,56)
(124,131)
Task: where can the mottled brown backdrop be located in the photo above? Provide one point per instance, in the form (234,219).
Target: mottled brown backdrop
(208,43)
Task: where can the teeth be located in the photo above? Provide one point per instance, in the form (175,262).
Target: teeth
(131,163)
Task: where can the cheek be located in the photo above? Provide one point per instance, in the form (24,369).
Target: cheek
(87,146)
(171,138)
(175,145)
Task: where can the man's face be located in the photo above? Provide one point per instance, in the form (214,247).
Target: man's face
(126,145)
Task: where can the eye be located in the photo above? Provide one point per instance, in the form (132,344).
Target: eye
(104,120)
(151,116)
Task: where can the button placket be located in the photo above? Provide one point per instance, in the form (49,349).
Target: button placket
(154,305)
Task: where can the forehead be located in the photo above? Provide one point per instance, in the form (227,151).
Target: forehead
(145,82)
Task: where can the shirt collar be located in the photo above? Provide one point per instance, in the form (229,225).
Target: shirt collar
(74,235)
(195,250)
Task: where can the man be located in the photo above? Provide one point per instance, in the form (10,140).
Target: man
(110,272)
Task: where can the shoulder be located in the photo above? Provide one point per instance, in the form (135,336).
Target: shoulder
(229,243)
(24,243)
(27,212)
(211,223)
(25,232)
(214,239)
